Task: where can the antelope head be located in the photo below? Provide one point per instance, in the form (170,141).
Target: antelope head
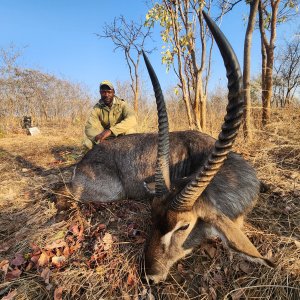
(178,225)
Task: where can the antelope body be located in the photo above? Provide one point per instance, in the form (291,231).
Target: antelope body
(117,169)
(201,188)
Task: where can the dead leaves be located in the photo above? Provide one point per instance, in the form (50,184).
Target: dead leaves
(131,279)
(43,260)
(18,260)
(107,241)
(103,243)
(46,275)
(4,265)
(10,270)
(210,250)
(88,245)
(58,293)
(56,244)
(52,256)
(58,261)
(10,296)
(13,274)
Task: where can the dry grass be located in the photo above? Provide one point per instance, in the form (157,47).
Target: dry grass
(108,262)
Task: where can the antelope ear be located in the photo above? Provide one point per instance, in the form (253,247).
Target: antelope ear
(235,238)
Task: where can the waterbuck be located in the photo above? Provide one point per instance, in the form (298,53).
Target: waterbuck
(213,200)
(201,188)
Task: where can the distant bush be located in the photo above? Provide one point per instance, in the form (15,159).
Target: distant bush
(44,97)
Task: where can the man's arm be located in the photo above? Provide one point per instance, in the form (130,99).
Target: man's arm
(103,135)
(93,126)
(128,122)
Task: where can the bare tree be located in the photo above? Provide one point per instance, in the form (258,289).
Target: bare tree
(287,72)
(271,13)
(43,96)
(129,37)
(9,60)
(267,51)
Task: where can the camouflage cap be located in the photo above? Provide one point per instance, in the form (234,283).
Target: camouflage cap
(106,83)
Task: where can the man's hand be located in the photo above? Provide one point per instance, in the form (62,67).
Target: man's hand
(102,136)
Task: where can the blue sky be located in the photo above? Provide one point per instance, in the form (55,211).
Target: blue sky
(59,38)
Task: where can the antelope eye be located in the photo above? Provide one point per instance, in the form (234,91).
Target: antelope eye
(184,227)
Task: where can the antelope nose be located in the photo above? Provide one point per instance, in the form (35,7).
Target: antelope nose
(146,279)
(156,279)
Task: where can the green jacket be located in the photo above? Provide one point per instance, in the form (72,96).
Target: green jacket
(120,119)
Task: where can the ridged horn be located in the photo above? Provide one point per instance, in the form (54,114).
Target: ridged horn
(187,197)
(162,172)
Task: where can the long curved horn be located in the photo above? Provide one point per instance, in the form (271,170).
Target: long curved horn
(162,173)
(186,199)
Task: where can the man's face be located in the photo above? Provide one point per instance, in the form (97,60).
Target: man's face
(107,96)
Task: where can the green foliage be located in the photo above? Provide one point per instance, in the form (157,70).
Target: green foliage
(176,40)
(157,13)
(287,10)
(167,58)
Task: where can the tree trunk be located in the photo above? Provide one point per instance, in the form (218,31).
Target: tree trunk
(203,108)
(246,71)
(136,93)
(203,111)
(268,62)
(136,102)
(197,99)
(268,88)
(188,111)
(263,76)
